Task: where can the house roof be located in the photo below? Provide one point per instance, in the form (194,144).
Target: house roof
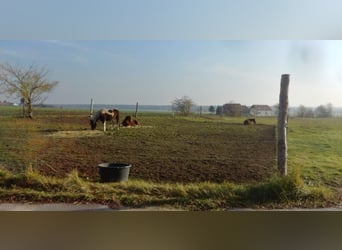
(261,107)
(244,108)
(6,103)
(232,105)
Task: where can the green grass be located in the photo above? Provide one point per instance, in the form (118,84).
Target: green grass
(315,147)
(274,193)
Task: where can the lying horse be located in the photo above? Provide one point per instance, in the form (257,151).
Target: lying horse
(129,122)
(249,121)
(105,115)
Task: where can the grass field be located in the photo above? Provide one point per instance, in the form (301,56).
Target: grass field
(315,147)
(195,163)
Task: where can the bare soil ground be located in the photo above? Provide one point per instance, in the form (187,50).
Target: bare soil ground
(163,149)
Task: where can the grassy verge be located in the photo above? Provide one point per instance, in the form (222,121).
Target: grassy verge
(273,193)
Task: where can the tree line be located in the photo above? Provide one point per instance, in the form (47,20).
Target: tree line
(322,111)
(184,104)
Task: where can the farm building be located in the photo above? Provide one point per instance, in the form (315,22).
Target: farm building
(244,110)
(6,103)
(237,110)
(260,110)
(232,109)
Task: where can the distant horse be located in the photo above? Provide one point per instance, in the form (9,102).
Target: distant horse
(249,121)
(129,122)
(105,115)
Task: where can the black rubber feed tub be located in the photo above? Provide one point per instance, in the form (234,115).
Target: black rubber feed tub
(114,172)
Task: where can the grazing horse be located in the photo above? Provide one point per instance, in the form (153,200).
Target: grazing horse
(249,121)
(129,122)
(105,115)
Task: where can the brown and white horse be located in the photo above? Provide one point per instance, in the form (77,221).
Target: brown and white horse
(129,122)
(105,115)
(249,121)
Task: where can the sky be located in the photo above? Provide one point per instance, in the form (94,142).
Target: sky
(210,72)
(166,19)
(153,51)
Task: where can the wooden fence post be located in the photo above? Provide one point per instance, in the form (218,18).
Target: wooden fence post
(136,110)
(282,124)
(91,108)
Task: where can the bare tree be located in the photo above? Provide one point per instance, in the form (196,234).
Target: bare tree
(324,111)
(301,111)
(183,105)
(30,84)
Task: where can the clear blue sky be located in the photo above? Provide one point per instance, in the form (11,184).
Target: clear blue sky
(170,19)
(153,51)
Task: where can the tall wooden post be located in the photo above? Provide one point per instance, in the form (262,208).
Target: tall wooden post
(282,124)
(136,110)
(91,108)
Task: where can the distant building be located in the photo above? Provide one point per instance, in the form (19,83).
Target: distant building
(232,109)
(260,110)
(244,110)
(6,103)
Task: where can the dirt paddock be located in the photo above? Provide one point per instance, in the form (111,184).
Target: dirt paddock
(162,150)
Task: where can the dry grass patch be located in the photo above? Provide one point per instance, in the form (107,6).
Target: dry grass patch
(75,134)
